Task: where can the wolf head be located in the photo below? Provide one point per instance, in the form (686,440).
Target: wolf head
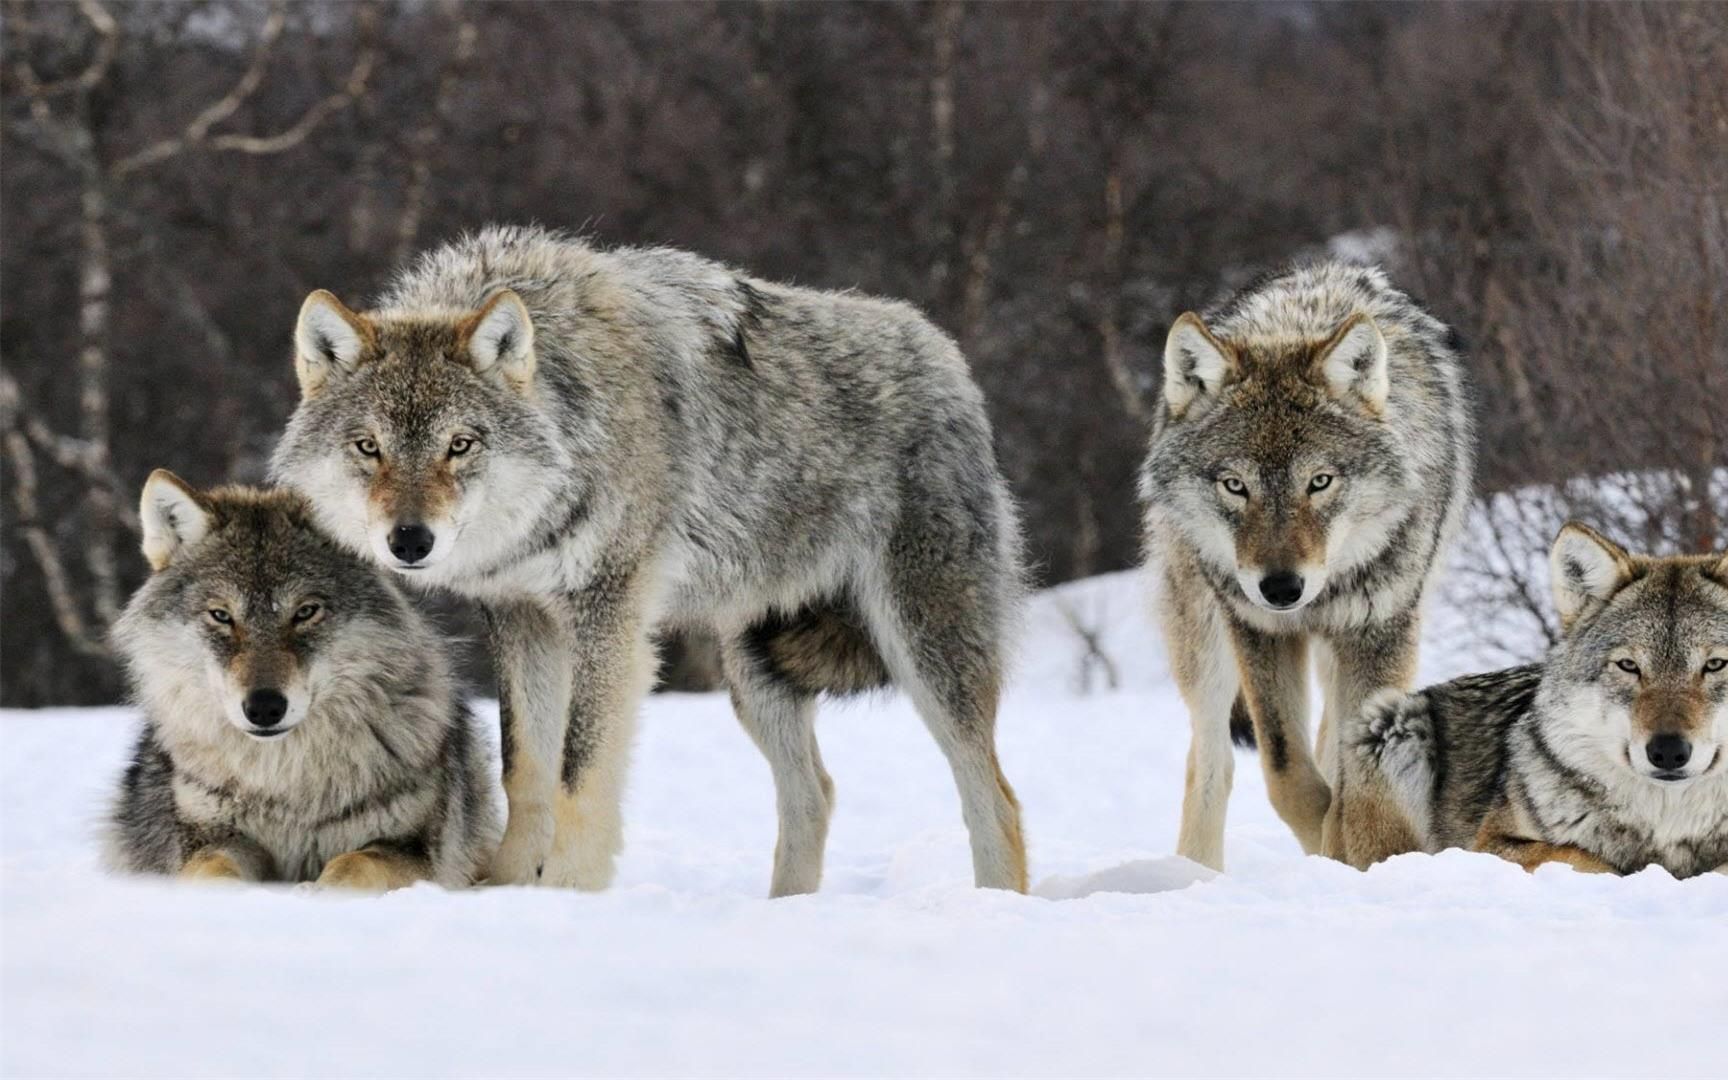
(251,616)
(1276,461)
(1641,670)
(418,438)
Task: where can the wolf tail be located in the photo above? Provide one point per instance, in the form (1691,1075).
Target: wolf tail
(1241,724)
(820,649)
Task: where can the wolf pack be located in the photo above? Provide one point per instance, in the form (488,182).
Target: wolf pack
(599,446)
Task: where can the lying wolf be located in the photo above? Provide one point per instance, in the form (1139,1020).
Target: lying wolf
(1611,755)
(301,723)
(1307,470)
(595,444)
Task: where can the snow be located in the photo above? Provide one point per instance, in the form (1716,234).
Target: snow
(1126,961)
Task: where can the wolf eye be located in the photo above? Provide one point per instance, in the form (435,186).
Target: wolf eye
(220,616)
(460,445)
(368,447)
(1321,482)
(306,611)
(1627,666)
(1235,486)
(1715,664)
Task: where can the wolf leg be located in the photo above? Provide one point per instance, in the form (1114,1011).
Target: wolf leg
(1367,821)
(1274,672)
(231,859)
(1206,676)
(940,633)
(1500,836)
(376,868)
(614,669)
(781,720)
(531,648)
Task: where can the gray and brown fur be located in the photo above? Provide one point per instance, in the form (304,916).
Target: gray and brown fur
(661,441)
(1314,446)
(367,773)
(1574,760)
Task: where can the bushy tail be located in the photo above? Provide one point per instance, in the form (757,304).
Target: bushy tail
(819,649)
(1241,724)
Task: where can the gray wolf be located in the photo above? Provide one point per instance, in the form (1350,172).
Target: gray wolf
(1309,463)
(301,722)
(1611,755)
(593,444)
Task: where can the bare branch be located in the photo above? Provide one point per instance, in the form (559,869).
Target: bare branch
(198,129)
(28,520)
(426,136)
(107,47)
(295,134)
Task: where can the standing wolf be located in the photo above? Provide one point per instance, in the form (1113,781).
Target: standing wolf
(301,720)
(1308,466)
(593,444)
(1611,755)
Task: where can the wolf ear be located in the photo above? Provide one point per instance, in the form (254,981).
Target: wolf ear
(171,516)
(1586,568)
(328,340)
(501,339)
(1353,363)
(1195,363)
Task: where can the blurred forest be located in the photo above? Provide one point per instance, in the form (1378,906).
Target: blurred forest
(1052,183)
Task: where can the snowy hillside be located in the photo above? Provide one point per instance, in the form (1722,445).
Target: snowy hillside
(1128,961)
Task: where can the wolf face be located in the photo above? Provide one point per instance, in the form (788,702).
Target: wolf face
(250,615)
(417,437)
(1642,667)
(1276,460)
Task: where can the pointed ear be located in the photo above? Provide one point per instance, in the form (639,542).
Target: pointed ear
(328,341)
(172,517)
(1353,363)
(1195,363)
(1586,567)
(501,339)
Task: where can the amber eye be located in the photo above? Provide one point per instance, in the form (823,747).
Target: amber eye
(460,445)
(1321,482)
(1235,486)
(1715,664)
(368,446)
(1627,666)
(220,616)
(306,612)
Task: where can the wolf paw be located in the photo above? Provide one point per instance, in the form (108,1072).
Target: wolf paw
(523,853)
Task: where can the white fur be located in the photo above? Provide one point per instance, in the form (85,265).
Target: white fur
(504,339)
(1583,567)
(170,518)
(1356,365)
(1190,358)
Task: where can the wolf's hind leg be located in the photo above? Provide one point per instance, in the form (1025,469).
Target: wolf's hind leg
(1274,672)
(1204,667)
(781,719)
(376,868)
(940,632)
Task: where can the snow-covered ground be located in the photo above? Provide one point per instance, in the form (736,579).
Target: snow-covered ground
(1127,961)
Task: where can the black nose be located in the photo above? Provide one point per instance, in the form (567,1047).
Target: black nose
(411,543)
(1281,588)
(265,708)
(1668,751)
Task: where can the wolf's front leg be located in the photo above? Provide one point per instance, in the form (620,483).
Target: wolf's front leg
(1365,822)
(532,650)
(1274,672)
(231,858)
(1503,834)
(377,868)
(614,668)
